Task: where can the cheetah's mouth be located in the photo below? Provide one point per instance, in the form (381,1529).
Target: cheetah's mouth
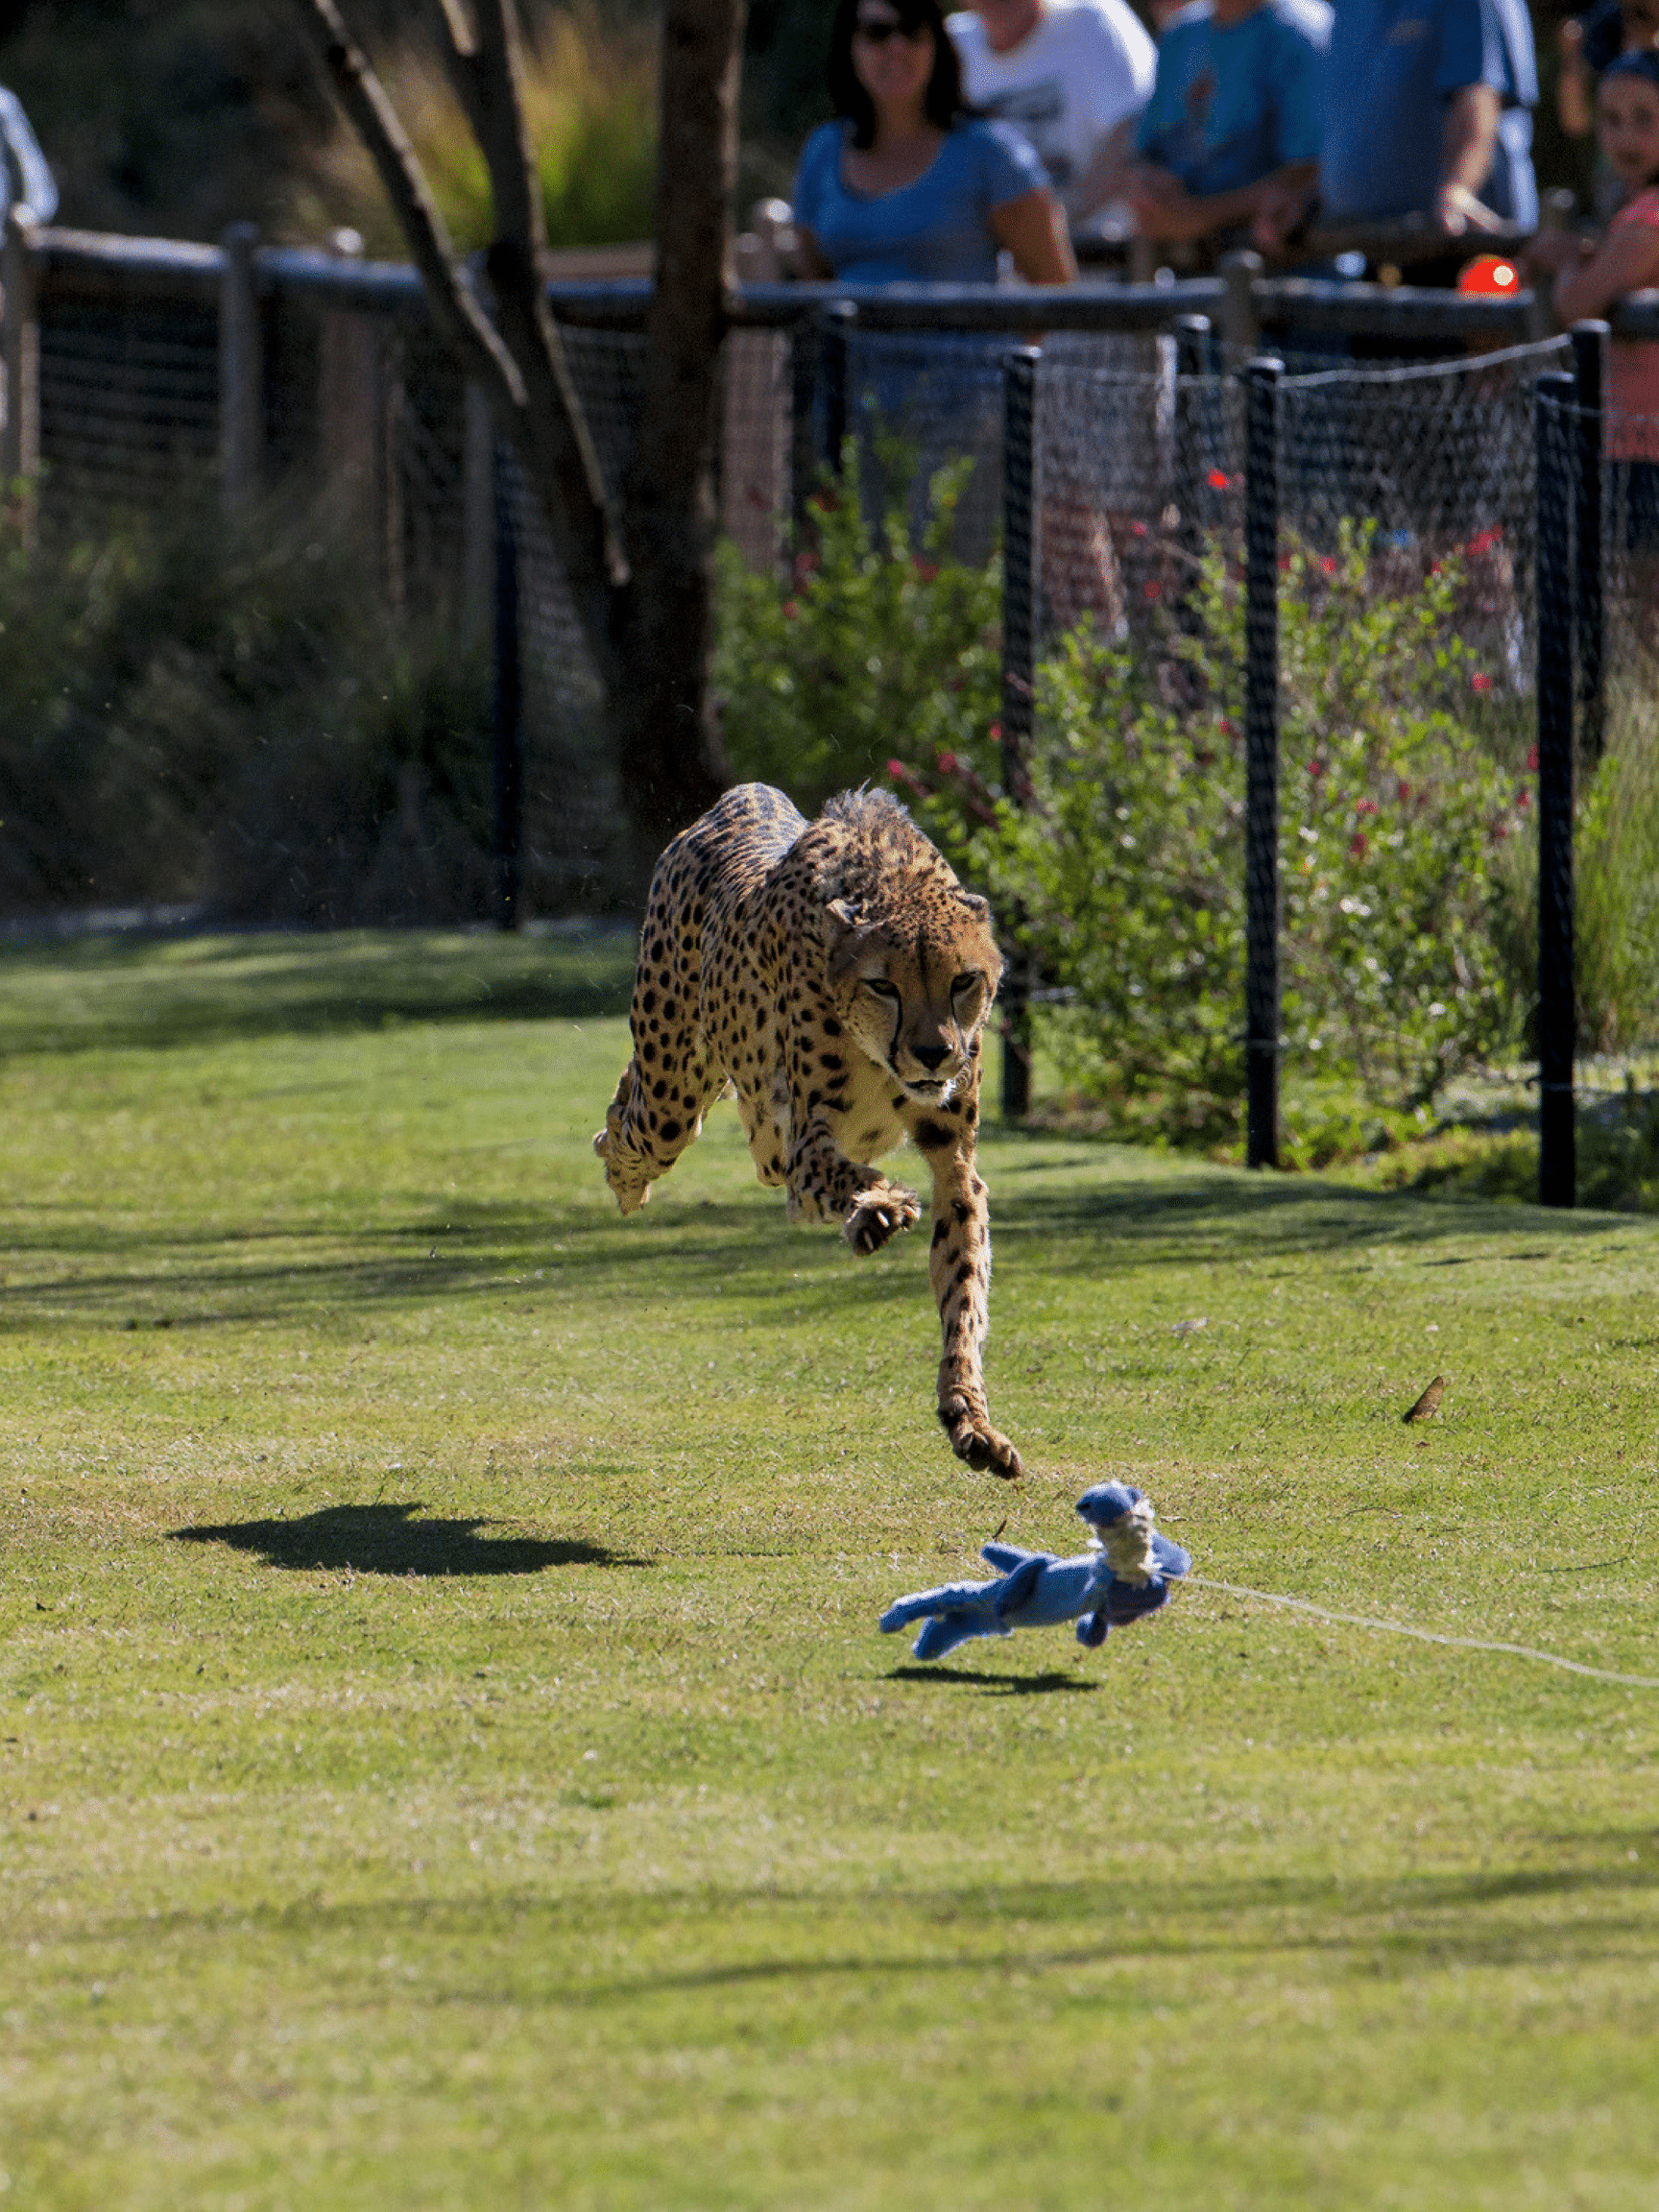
(936,1089)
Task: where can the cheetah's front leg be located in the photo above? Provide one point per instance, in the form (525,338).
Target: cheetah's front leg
(959,1265)
(825,1185)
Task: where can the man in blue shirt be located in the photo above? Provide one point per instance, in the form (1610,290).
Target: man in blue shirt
(1429,114)
(1235,115)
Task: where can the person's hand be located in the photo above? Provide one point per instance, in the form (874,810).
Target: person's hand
(1458,210)
(1163,206)
(1145,184)
(1569,43)
(1552,250)
(1284,208)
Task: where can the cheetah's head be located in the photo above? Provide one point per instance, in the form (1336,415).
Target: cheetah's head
(913,994)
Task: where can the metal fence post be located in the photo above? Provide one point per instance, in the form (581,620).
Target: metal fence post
(1590,621)
(1020,590)
(507,706)
(804,346)
(241,375)
(1194,344)
(1555,431)
(835,333)
(1262,761)
(20,453)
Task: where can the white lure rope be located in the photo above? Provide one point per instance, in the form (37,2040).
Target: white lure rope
(1429,1635)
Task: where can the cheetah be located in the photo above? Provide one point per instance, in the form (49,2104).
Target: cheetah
(836,976)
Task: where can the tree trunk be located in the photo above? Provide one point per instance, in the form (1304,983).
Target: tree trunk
(668,751)
(644,590)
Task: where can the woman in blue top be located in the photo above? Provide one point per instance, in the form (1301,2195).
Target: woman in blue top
(907,185)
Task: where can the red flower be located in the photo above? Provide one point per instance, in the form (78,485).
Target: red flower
(1522,799)
(1152,591)
(895,769)
(804,566)
(1138,529)
(925,570)
(791,607)
(1365,806)
(1358,845)
(1328,564)
(1483,540)
(1404,791)
(1481,682)
(947,763)
(1532,756)
(1315,769)
(997,732)
(1216,480)
(1226,726)
(1500,830)
(1284,562)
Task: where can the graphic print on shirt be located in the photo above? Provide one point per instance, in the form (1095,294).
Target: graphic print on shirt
(1039,111)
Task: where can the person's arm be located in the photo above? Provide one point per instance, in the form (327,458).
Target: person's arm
(1626,260)
(1573,105)
(1468,141)
(810,264)
(1033,229)
(1103,179)
(1165,211)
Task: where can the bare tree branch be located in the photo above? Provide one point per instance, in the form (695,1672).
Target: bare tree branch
(529,387)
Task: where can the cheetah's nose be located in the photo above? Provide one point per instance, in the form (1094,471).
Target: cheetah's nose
(930,1055)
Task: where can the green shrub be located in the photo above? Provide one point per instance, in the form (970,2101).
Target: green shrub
(1127,875)
(882,647)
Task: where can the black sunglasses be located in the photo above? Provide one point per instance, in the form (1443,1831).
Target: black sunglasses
(882,27)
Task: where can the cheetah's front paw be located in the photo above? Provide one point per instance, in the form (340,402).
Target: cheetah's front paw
(879,1214)
(974,1439)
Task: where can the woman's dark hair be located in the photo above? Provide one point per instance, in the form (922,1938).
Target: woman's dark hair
(1640,61)
(941,101)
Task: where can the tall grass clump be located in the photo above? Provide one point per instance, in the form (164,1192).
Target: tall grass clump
(590,106)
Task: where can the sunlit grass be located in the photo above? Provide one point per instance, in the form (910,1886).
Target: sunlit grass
(449,1758)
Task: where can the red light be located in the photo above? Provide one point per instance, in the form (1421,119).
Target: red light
(1490,273)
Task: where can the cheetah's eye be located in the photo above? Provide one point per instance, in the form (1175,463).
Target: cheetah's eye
(967,986)
(880,988)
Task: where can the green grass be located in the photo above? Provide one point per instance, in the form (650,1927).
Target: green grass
(445,1754)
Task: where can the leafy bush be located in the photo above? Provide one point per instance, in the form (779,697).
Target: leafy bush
(880,645)
(1126,873)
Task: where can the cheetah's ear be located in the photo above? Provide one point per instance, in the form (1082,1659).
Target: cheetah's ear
(979,908)
(844,938)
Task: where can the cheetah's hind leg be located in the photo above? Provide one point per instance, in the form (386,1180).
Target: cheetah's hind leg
(644,1134)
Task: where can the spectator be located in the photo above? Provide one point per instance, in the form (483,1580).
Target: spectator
(906,184)
(1588,277)
(1234,117)
(25,180)
(1587,43)
(1072,75)
(1430,114)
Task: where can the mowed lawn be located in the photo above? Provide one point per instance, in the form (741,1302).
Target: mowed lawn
(449,1758)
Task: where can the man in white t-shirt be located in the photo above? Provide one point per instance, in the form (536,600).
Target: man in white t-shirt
(1072,75)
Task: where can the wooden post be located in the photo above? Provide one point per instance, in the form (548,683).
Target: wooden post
(241,375)
(348,409)
(477,517)
(20,448)
(1240,325)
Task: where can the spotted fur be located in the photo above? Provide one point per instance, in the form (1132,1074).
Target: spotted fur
(837,976)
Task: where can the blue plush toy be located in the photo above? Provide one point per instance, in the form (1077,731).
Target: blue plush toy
(1125,1574)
